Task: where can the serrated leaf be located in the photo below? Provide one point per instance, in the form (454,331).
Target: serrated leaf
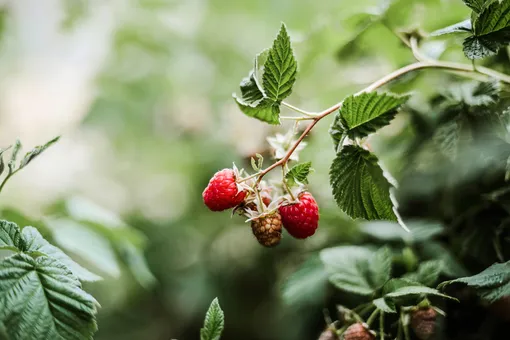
(428,272)
(250,91)
(366,113)
(298,174)
(280,68)
(307,284)
(446,138)
(41,299)
(213,323)
(14,156)
(491,284)
(359,186)
(379,267)
(492,18)
(36,152)
(10,236)
(463,26)
(387,306)
(265,110)
(34,242)
(348,268)
(476,5)
(415,290)
(480,47)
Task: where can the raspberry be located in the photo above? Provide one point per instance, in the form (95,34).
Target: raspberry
(423,323)
(221,192)
(268,229)
(301,219)
(358,331)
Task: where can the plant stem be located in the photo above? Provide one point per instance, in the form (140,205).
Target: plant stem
(381,325)
(297,109)
(432,64)
(372,316)
(295,118)
(285,183)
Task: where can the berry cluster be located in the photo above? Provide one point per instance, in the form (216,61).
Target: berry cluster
(266,208)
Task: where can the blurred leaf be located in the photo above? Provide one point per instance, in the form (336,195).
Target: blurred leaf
(214,322)
(507,172)
(447,137)
(451,266)
(348,267)
(363,114)
(14,156)
(463,26)
(307,284)
(34,242)
(85,242)
(475,93)
(298,174)
(480,47)
(395,284)
(137,264)
(415,290)
(359,186)
(2,163)
(36,152)
(379,267)
(280,68)
(491,284)
(41,299)
(74,11)
(420,230)
(10,236)
(387,306)
(427,274)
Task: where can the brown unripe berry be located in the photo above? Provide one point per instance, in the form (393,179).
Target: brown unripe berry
(358,331)
(423,323)
(268,229)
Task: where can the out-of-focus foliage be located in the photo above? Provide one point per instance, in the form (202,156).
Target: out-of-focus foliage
(156,119)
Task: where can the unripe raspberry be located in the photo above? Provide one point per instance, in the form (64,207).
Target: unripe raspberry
(423,323)
(221,193)
(301,219)
(358,331)
(268,229)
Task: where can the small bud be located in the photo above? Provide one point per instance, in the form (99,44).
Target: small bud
(423,323)
(358,331)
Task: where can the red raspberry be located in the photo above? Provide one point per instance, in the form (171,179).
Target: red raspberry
(221,192)
(301,219)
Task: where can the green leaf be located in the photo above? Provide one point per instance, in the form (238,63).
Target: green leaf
(307,284)
(492,18)
(213,323)
(379,267)
(491,284)
(36,152)
(387,306)
(359,186)
(14,156)
(298,174)
(463,26)
(428,272)
(10,236)
(409,291)
(480,47)
(451,266)
(280,68)
(135,260)
(34,242)
(419,230)
(395,284)
(476,5)
(41,299)
(264,110)
(348,267)
(2,163)
(365,113)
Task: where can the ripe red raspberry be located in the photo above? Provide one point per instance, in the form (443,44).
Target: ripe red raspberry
(358,331)
(221,192)
(301,219)
(268,229)
(423,323)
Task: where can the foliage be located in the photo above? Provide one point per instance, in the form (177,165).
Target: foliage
(213,323)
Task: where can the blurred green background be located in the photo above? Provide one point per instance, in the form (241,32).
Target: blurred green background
(141,90)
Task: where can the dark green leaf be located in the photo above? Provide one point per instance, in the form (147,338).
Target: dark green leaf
(365,113)
(348,268)
(36,152)
(379,267)
(10,236)
(493,18)
(476,5)
(135,260)
(280,68)
(359,186)
(427,273)
(479,47)
(463,26)
(413,291)
(265,110)
(34,242)
(213,323)
(451,266)
(387,306)
(41,299)
(307,284)
(491,284)
(395,284)
(298,174)
(250,91)
(14,156)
